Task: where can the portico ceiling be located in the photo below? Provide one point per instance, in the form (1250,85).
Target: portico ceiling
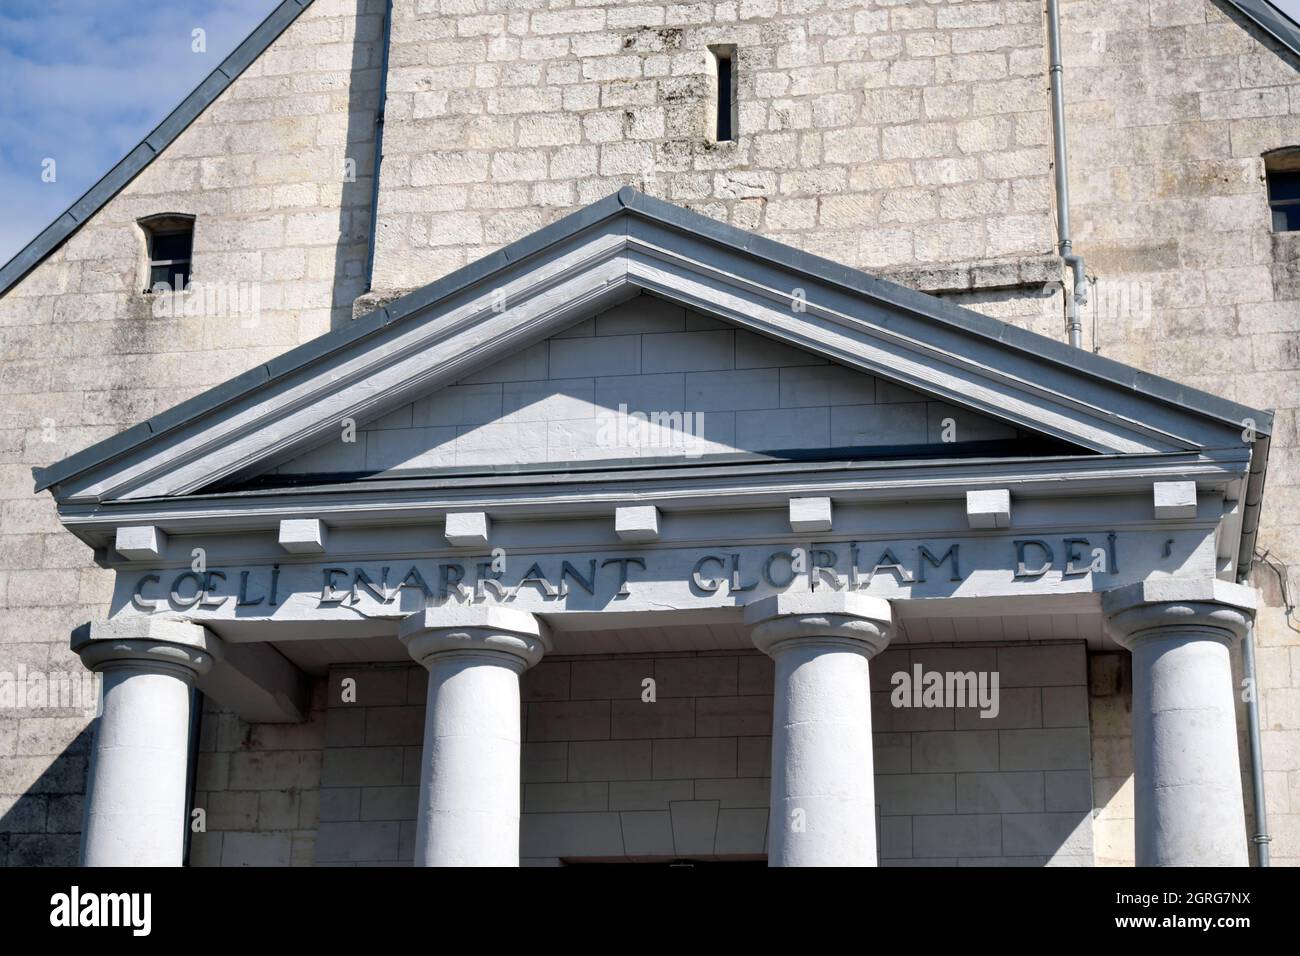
(316,655)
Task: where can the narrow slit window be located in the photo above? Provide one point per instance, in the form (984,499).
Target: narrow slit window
(170,241)
(724,120)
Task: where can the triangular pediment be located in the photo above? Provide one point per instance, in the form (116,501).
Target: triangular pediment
(651,381)
(513,361)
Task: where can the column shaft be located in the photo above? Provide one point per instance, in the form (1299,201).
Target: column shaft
(823,788)
(1187,785)
(823,805)
(469,781)
(1188,798)
(135,795)
(135,811)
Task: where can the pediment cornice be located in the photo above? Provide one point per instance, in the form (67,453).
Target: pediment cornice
(612,251)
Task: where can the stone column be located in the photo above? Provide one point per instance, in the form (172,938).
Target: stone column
(469,779)
(135,798)
(823,807)
(1186,770)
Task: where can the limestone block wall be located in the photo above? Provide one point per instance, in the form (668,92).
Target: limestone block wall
(258,786)
(1110,699)
(878,134)
(83,354)
(608,776)
(957,789)
(909,139)
(1170,108)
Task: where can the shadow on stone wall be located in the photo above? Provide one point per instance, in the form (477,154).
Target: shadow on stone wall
(358,161)
(608,777)
(42,826)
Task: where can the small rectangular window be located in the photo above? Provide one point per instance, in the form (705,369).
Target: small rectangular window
(171,251)
(1282,170)
(724,105)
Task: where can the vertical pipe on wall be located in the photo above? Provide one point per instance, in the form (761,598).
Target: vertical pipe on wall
(1261,839)
(192,770)
(379,145)
(1079,294)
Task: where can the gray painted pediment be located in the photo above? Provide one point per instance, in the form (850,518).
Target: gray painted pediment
(646,381)
(527,358)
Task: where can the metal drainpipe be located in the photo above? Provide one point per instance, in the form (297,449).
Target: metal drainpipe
(192,769)
(379,146)
(1261,839)
(1065,247)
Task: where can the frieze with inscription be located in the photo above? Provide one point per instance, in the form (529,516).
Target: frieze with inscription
(718,576)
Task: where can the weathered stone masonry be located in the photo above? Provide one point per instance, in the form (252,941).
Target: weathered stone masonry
(909,139)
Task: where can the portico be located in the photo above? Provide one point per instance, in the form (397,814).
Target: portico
(1188,795)
(977,492)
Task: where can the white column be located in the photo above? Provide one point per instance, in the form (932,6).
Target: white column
(135,798)
(1186,771)
(823,807)
(469,781)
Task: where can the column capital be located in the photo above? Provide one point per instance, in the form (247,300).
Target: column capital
(166,645)
(1163,607)
(516,635)
(845,618)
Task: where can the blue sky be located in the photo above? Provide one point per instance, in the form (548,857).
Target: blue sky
(85,80)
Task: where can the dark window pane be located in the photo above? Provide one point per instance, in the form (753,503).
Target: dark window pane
(1284,185)
(176,245)
(724,98)
(1286,218)
(175,277)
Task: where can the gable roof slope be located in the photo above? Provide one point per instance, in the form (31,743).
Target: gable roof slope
(149,148)
(1272,21)
(945,319)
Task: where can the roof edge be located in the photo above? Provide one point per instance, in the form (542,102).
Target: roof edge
(1272,21)
(629,201)
(213,398)
(1011,336)
(48,241)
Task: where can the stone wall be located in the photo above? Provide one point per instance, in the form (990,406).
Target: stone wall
(608,776)
(880,135)
(910,139)
(1110,700)
(258,786)
(1170,107)
(85,356)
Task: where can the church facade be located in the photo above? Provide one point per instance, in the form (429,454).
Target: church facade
(558,434)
